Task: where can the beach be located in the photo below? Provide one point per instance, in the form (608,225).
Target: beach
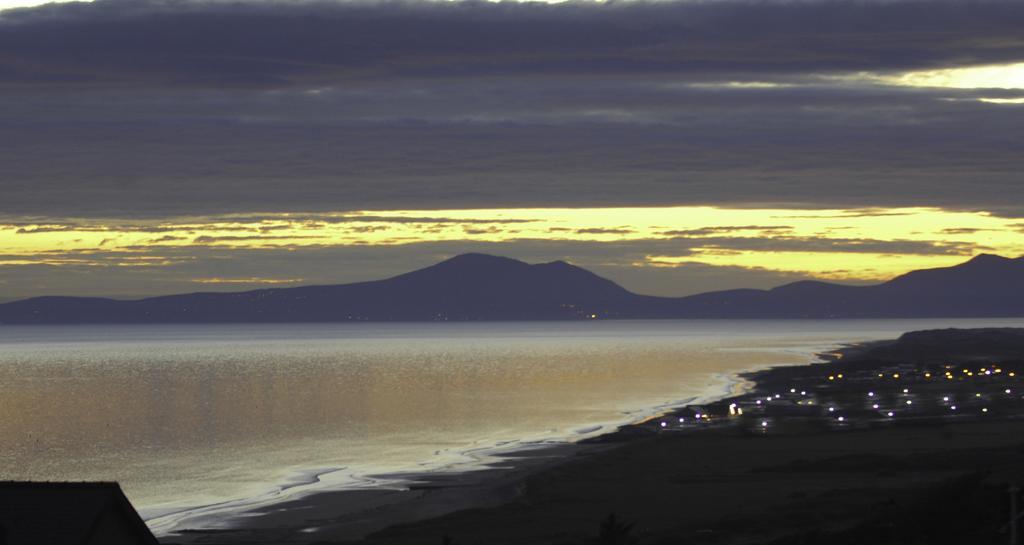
(802,449)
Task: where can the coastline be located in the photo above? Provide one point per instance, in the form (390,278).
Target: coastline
(491,477)
(675,479)
(935,467)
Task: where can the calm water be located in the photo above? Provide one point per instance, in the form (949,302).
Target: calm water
(186,416)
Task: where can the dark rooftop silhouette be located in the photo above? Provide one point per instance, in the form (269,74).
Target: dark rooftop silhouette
(485,287)
(35,513)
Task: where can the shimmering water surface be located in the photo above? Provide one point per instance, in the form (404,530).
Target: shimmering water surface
(185,416)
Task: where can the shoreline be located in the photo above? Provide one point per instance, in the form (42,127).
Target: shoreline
(481,471)
(783,408)
(853,474)
(354,513)
(489,479)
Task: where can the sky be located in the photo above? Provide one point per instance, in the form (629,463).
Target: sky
(675,146)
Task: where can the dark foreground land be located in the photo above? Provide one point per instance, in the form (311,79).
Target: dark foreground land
(909,442)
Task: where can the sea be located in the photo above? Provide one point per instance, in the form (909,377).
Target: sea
(214,420)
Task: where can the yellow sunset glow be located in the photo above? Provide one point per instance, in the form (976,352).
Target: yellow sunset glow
(835,243)
(872,266)
(1002,100)
(9,4)
(1007,76)
(247,280)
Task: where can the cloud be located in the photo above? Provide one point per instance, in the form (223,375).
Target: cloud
(767,230)
(248,281)
(207,239)
(848,245)
(768,155)
(277,44)
(167,238)
(962,230)
(46,229)
(604,231)
(370,218)
(28,228)
(157,108)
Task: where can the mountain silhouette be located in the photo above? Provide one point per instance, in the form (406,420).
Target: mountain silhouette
(985,286)
(484,287)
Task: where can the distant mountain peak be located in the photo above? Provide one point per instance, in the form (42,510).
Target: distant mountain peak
(470,264)
(559,264)
(470,258)
(982,272)
(476,261)
(802,285)
(988,259)
(480,256)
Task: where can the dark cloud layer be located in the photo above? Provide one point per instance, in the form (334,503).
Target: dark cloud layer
(148,108)
(927,153)
(272,44)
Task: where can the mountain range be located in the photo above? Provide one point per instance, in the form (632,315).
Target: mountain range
(473,287)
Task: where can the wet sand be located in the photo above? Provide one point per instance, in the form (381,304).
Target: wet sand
(347,515)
